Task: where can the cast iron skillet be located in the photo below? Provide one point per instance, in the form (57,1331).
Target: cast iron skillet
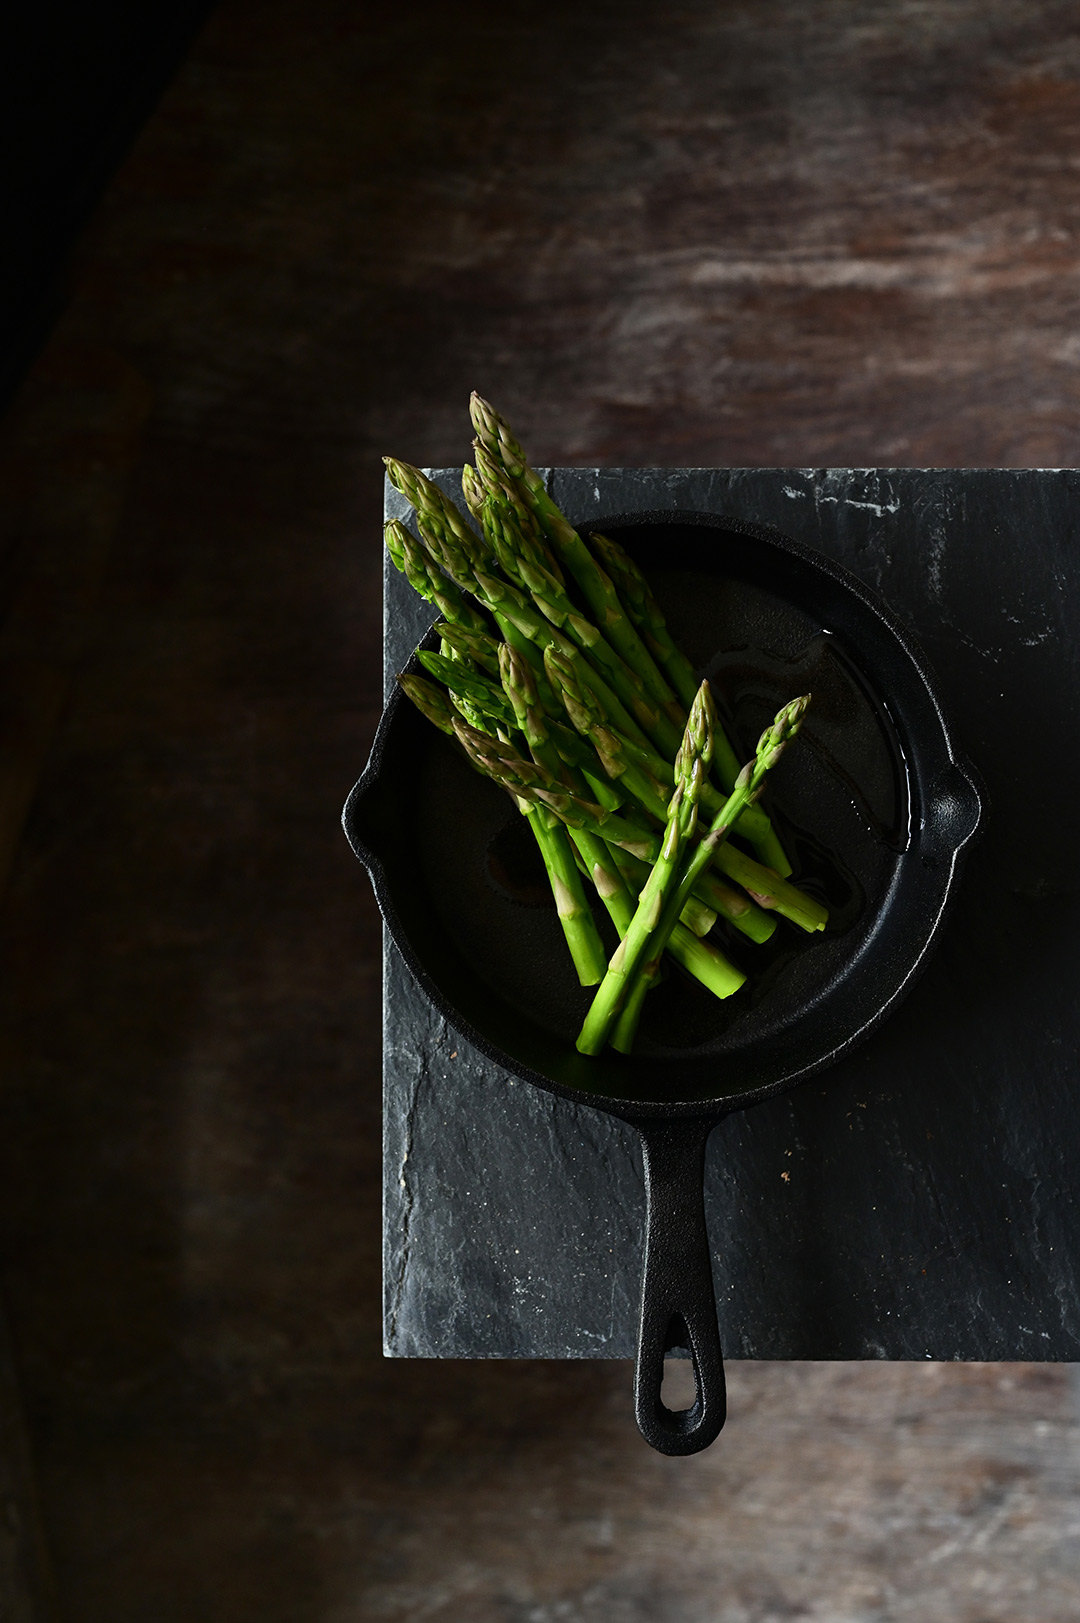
(873,803)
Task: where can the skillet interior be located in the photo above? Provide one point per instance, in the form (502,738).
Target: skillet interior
(869,803)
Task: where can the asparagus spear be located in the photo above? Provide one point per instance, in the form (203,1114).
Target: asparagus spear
(597,857)
(522,563)
(462,556)
(431,702)
(691,765)
(489,479)
(532,655)
(639,770)
(767,888)
(466,683)
(431,503)
(475,647)
(618,761)
(408,556)
(657,915)
(648,616)
(575,916)
(641,606)
(495,436)
(469,568)
(526,780)
(698,957)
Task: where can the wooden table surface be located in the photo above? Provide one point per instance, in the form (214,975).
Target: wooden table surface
(790,235)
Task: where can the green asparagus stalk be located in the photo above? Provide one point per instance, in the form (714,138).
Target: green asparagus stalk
(495,436)
(638,770)
(771,745)
(471,646)
(551,743)
(698,957)
(534,656)
(466,683)
(408,556)
(522,563)
(691,766)
(552,839)
(489,479)
(431,702)
(473,491)
(641,606)
(705,962)
(432,504)
(575,916)
(519,686)
(697,917)
(647,615)
(526,780)
(470,570)
(658,919)
(767,888)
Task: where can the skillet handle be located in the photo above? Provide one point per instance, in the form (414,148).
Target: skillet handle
(678,1307)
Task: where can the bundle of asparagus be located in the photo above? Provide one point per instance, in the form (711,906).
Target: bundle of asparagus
(583,721)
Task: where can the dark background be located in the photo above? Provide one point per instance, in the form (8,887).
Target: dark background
(773,234)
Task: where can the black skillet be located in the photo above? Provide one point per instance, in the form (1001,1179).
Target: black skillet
(873,804)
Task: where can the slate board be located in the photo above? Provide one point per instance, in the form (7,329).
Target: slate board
(918,1200)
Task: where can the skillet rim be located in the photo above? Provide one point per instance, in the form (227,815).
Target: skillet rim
(638,1110)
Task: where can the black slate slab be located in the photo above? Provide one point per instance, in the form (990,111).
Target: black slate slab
(917,1201)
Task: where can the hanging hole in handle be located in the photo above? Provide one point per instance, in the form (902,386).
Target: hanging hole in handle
(680,1389)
